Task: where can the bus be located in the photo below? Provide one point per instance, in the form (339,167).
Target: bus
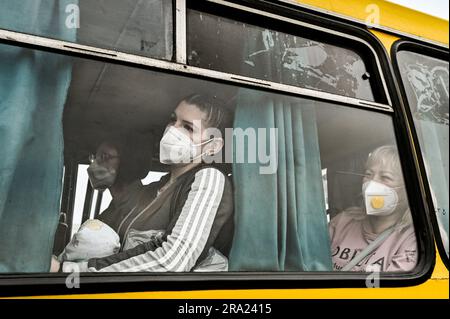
(336,153)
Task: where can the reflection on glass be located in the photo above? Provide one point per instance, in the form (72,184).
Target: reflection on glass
(230,46)
(142,27)
(426,81)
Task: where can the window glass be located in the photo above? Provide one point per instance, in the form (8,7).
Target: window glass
(286,183)
(426,83)
(132,26)
(230,46)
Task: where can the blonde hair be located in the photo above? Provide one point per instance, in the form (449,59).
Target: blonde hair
(387,155)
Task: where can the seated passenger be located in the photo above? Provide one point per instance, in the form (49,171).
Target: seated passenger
(119,165)
(380,236)
(193,205)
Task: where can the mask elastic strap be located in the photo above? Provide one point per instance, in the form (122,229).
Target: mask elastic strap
(195,145)
(200,144)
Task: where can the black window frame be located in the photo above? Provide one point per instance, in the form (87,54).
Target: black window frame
(45,284)
(437,52)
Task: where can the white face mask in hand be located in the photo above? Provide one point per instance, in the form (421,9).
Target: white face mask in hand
(380,200)
(175,147)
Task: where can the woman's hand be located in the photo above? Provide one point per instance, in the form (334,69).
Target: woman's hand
(54,265)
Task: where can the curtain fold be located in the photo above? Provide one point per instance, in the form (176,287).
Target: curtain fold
(280,218)
(33,90)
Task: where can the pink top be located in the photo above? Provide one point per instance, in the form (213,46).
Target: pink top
(349,236)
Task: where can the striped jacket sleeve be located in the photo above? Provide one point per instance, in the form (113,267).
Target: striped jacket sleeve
(186,241)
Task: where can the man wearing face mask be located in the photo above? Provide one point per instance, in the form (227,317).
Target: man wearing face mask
(380,236)
(184,222)
(119,165)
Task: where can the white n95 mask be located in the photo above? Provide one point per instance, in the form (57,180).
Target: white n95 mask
(94,239)
(380,200)
(175,147)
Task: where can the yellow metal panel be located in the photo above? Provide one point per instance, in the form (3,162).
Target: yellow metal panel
(386,39)
(391,16)
(440,271)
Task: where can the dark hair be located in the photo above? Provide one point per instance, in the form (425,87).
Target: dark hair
(135,155)
(217,114)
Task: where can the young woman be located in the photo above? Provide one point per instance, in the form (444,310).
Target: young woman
(185,220)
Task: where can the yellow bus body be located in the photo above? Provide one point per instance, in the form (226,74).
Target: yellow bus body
(391,16)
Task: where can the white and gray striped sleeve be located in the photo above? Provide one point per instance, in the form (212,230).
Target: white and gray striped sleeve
(187,239)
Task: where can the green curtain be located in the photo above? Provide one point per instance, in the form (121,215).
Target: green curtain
(280,218)
(33,90)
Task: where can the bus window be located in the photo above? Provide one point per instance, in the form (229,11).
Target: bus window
(295,60)
(426,82)
(365,194)
(272,215)
(132,26)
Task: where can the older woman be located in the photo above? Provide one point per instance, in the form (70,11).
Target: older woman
(379,236)
(118,165)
